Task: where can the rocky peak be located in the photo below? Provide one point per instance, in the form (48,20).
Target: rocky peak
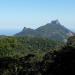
(55,22)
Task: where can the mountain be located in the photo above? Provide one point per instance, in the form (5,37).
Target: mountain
(26,32)
(53,30)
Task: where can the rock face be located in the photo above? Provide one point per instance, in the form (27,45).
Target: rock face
(53,30)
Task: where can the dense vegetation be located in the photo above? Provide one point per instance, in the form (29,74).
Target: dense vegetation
(20,56)
(21,46)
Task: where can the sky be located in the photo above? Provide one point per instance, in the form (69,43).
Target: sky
(16,14)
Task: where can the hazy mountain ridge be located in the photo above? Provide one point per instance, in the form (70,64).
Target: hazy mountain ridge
(53,30)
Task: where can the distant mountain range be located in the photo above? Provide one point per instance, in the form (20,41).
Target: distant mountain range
(53,30)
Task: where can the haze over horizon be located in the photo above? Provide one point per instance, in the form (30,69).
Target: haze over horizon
(16,14)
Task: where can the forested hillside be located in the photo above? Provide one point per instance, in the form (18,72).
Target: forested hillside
(21,46)
(18,56)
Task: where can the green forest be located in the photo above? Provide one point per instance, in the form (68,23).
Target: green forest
(22,46)
(36,56)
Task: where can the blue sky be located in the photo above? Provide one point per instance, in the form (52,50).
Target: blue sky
(16,14)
